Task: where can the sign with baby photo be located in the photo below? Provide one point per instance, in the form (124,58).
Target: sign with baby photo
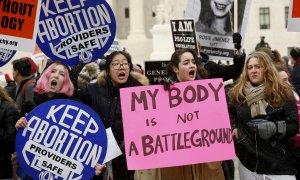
(214,23)
(73,31)
(189,124)
(64,139)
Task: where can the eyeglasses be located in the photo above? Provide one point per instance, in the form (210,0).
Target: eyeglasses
(117,66)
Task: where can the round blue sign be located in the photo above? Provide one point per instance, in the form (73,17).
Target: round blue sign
(6,55)
(64,139)
(75,30)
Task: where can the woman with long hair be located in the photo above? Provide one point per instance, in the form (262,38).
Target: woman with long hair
(263,116)
(9,115)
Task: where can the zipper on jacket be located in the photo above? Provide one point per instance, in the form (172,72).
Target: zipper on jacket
(256,150)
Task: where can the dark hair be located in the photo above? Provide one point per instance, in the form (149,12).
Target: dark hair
(110,57)
(23,66)
(295,53)
(175,59)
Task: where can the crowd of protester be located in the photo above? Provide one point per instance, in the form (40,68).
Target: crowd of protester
(261,104)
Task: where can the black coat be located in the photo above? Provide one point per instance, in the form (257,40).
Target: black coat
(104,98)
(11,88)
(226,71)
(8,118)
(295,77)
(39,99)
(30,105)
(265,156)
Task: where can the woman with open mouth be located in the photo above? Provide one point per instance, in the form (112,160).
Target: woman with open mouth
(184,66)
(104,97)
(54,83)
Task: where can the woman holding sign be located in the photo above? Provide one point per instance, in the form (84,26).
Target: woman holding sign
(184,66)
(54,83)
(263,116)
(104,97)
(8,116)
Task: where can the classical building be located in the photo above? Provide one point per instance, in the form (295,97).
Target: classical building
(143,27)
(136,20)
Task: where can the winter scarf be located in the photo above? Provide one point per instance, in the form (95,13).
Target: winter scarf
(255,98)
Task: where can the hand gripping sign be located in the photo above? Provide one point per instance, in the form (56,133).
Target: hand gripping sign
(75,30)
(64,139)
(6,55)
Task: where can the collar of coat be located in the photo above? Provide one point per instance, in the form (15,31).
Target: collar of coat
(101,79)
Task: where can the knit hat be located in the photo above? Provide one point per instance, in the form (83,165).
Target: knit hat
(7,77)
(295,53)
(33,66)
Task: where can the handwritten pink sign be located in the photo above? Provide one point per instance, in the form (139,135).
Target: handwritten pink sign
(187,125)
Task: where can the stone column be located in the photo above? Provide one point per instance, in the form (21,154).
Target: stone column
(137,26)
(112,4)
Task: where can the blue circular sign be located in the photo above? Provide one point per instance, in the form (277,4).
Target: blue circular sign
(75,30)
(64,139)
(6,55)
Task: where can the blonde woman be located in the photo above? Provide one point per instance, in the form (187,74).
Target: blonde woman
(263,116)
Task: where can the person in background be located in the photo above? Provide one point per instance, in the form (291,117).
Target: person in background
(104,97)
(23,74)
(8,117)
(295,75)
(262,43)
(74,73)
(213,70)
(295,141)
(11,86)
(263,116)
(287,64)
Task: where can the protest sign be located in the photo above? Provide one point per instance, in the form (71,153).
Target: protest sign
(64,139)
(6,55)
(156,71)
(214,24)
(19,24)
(187,125)
(294,16)
(70,31)
(183,32)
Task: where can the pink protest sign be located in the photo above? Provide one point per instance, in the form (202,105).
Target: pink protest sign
(187,125)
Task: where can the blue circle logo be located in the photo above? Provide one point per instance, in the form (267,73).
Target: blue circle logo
(64,139)
(6,55)
(76,30)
